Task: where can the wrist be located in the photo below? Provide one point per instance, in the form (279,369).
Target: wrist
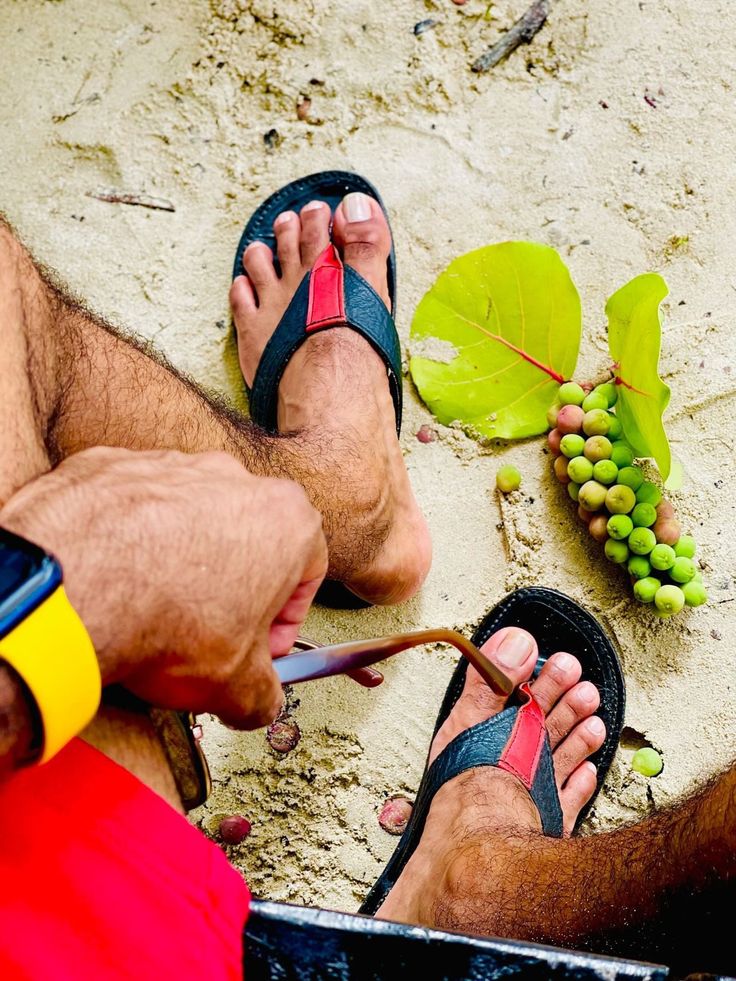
(84,573)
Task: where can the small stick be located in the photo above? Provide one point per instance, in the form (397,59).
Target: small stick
(521,33)
(141,200)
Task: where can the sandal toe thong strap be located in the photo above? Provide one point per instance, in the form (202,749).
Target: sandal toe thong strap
(330,295)
(515,740)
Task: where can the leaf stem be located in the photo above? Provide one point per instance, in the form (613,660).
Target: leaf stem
(618,380)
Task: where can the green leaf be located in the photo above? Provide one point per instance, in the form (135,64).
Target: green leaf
(494,337)
(634,340)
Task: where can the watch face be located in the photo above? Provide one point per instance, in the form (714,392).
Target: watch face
(27,576)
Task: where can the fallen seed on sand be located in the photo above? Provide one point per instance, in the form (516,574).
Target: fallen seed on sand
(425,434)
(395,814)
(303,108)
(234,829)
(283,735)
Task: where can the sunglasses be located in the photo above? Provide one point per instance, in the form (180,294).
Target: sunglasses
(311,661)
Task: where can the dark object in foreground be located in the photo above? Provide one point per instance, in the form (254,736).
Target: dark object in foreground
(298,944)
(523,31)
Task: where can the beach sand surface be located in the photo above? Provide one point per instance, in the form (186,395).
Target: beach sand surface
(610,137)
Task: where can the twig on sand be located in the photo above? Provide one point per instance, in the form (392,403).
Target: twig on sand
(141,200)
(521,33)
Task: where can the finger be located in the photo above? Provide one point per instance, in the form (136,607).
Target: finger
(286,625)
(253,697)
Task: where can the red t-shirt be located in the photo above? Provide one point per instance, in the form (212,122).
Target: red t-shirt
(101,878)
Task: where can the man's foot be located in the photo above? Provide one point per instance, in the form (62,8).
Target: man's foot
(457,868)
(334,393)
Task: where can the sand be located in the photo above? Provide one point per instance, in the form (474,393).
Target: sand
(559,145)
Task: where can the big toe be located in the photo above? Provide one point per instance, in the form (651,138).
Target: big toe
(361,233)
(515,652)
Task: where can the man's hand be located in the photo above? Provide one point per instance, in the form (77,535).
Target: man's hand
(189,573)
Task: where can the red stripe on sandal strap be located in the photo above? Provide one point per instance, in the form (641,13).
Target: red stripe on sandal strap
(326,291)
(522,752)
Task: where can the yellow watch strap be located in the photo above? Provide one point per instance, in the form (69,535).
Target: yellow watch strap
(53,654)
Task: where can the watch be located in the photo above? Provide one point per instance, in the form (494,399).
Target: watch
(43,639)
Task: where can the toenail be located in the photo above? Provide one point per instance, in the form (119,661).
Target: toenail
(595,726)
(514,648)
(313,205)
(588,693)
(252,245)
(564,662)
(284,217)
(357,206)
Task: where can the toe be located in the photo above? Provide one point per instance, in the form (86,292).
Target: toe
(362,234)
(585,739)
(575,705)
(242,298)
(576,793)
(315,232)
(287,229)
(258,264)
(515,652)
(559,673)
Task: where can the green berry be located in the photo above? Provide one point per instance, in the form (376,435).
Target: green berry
(552,414)
(622,454)
(609,391)
(595,400)
(683,570)
(646,589)
(620,499)
(573,490)
(615,429)
(662,557)
(508,479)
(642,541)
(669,600)
(616,551)
(639,567)
(631,477)
(644,515)
(592,495)
(597,448)
(649,493)
(570,394)
(694,593)
(647,761)
(580,470)
(685,546)
(619,526)
(572,445)
(595,422)
(605,471)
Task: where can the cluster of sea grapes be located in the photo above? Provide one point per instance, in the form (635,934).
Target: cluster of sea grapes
(620,507)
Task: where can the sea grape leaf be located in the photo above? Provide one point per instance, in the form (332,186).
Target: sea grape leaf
(677,476)
(494,337)
(634,340)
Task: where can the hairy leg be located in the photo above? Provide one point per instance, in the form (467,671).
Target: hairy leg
(71,381)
